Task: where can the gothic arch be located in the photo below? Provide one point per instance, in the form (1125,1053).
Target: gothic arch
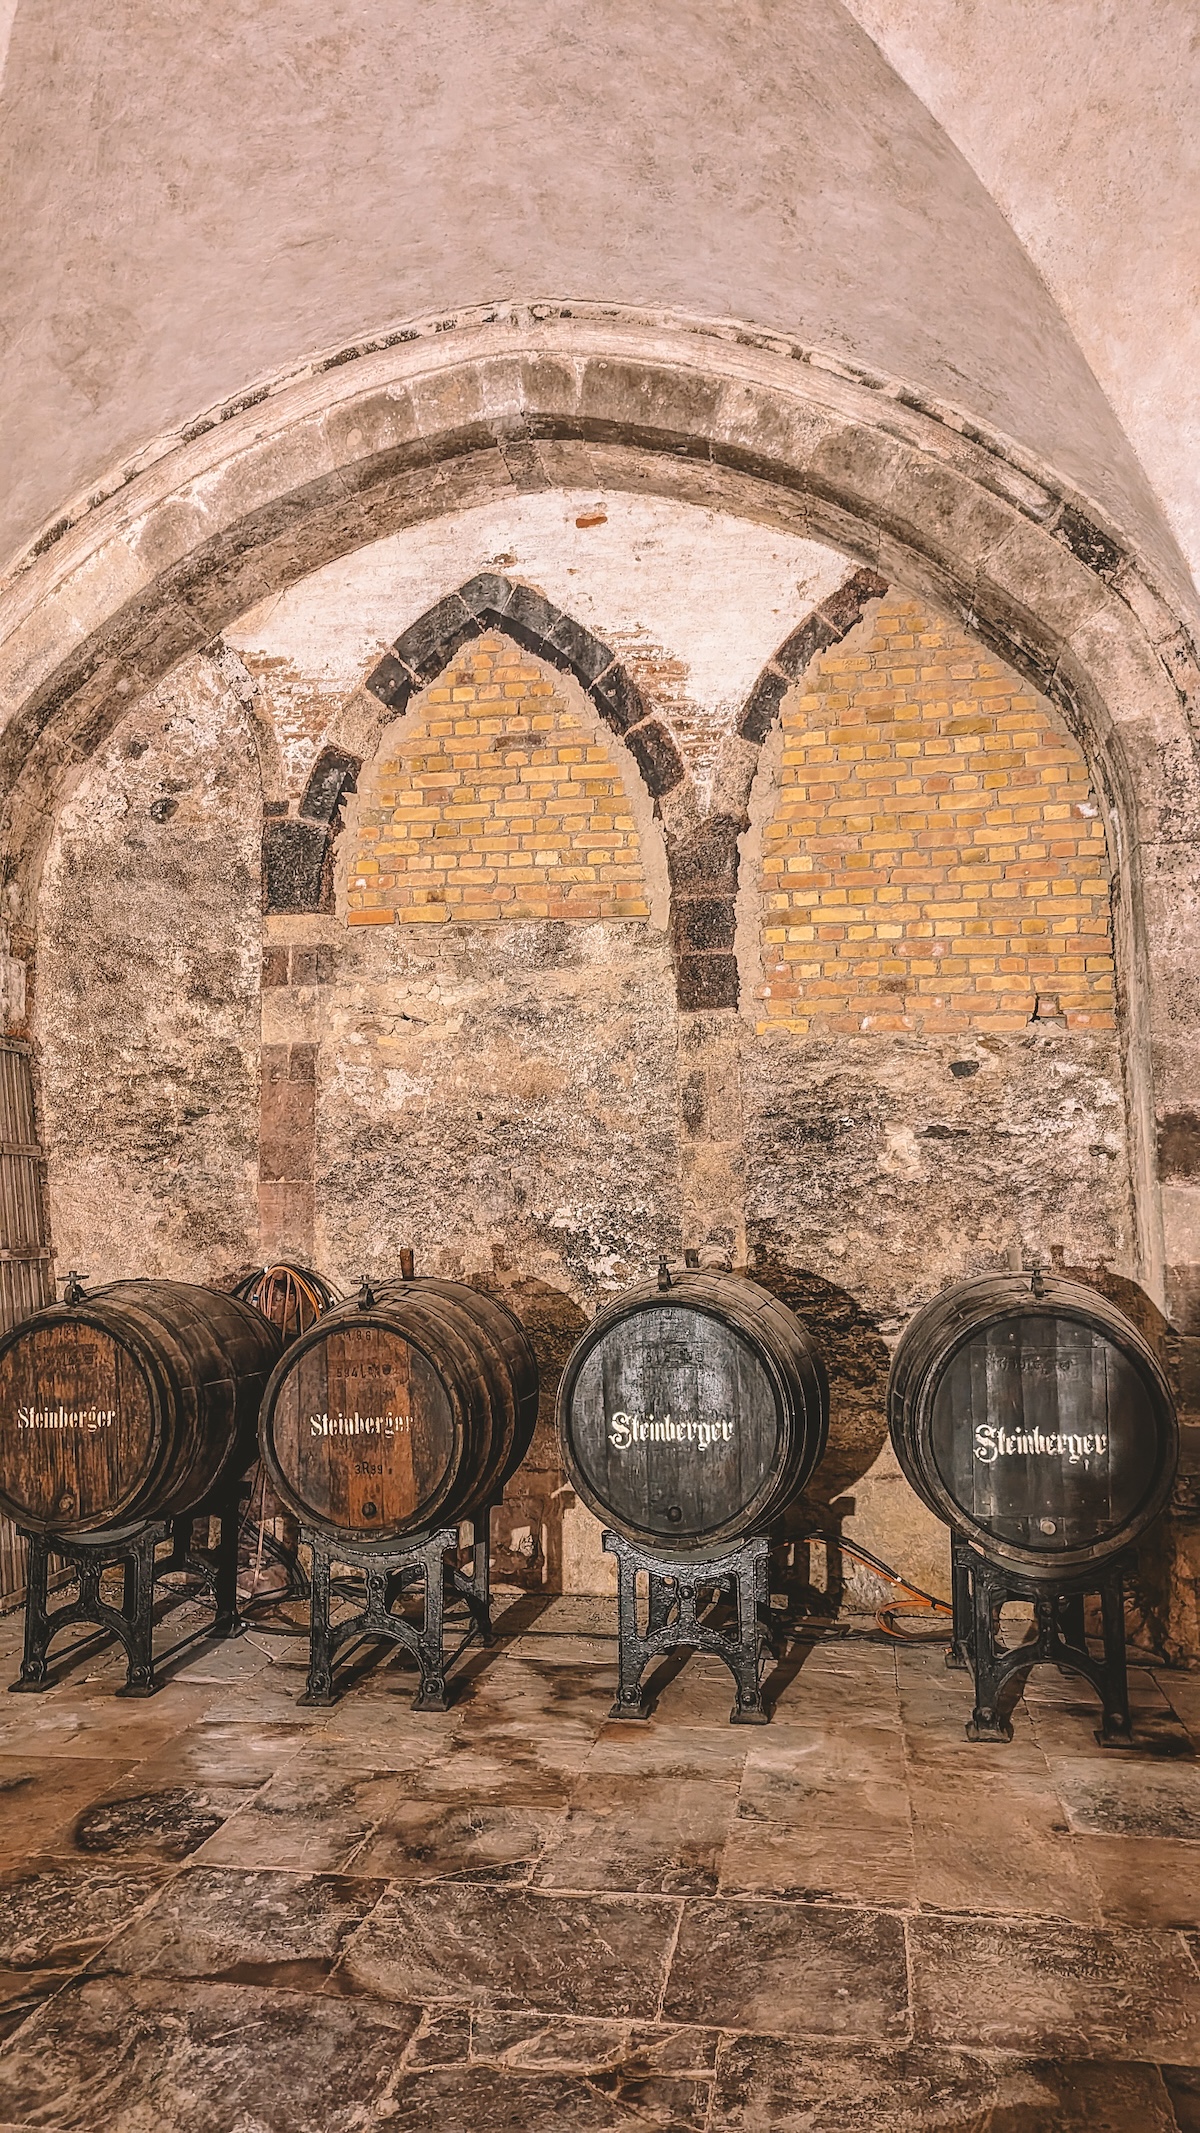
(918,493)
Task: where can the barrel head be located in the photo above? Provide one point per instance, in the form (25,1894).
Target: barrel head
(1044,1434)
(361,1433)
(671,1425)
(76,1427)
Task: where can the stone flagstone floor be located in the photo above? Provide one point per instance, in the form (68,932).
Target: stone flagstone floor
(225,1914)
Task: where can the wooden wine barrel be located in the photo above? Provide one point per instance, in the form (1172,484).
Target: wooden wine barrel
(26,1277)
(402,1410)
(1031,1416)
(131,1403)
(691,1415)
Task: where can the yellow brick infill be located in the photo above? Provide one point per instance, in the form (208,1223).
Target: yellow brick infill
(499,804)
(936,861)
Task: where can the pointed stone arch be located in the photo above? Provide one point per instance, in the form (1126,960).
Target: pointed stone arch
(298,850)
(705,858)
(168,554)
(532,621)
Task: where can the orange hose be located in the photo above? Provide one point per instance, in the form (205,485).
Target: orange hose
(918,1603)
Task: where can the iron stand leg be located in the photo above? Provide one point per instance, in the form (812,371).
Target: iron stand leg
(139,1608)
(388,1573)
(959,1654)
(1059,1640)
(1071,1619)
(475,1585)
(1115,1730)
(135,1553)
(87,1559)
(214,1568)
(34,1671)
(676,1586)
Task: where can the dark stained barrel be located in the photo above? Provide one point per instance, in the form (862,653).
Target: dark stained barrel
(1031,1416)
(691,1416)
(132,1403)
(407,1409)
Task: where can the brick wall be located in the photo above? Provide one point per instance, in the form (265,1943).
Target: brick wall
(498,803)
(936,861)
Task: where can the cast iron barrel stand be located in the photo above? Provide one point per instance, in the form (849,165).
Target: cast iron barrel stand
(135,1552)
(676,1585)
(981,1588)
(389,1571)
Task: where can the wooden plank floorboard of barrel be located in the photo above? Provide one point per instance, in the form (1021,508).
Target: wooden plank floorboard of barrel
(692,1411)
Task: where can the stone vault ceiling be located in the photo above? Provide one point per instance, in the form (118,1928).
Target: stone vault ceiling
(989,203)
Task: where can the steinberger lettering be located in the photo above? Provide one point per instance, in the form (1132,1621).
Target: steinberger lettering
(89,1418)
(995,1443)
(625,1429)
(357,1425)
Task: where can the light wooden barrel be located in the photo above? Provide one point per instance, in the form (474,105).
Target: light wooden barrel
(132,1403)
(405,1411)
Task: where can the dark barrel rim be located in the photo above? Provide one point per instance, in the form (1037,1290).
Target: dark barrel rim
(690,1290)
(926,1351)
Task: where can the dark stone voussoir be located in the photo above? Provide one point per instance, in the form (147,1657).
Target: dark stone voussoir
(761,708)
(618,699)
(656,756)
(430,643)
(844,609)
(334,774)
(704,922)
(392,682)
(1085,540)
(706,861)
(815,634)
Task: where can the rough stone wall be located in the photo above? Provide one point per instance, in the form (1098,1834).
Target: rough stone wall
(146,1016)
